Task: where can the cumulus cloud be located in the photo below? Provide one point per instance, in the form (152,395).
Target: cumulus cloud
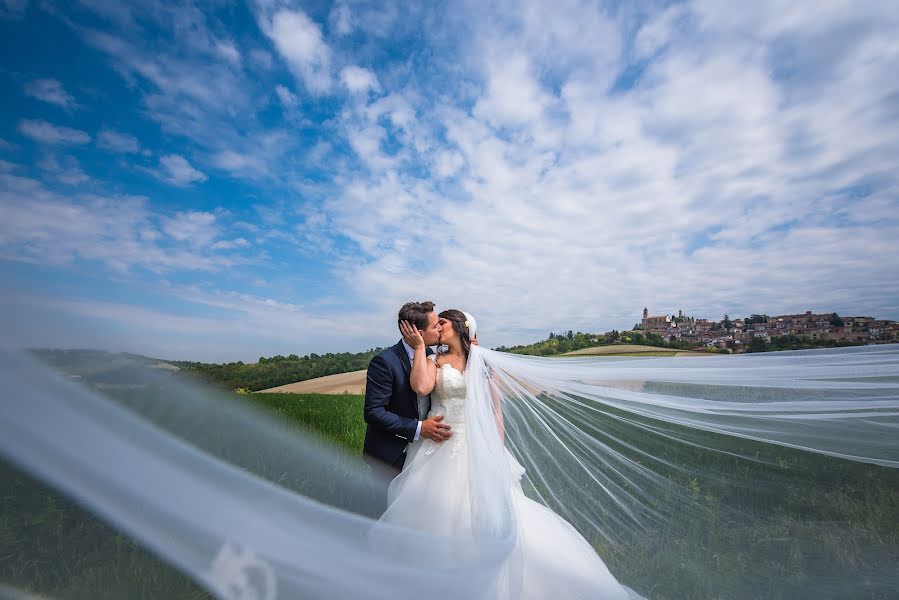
(114,141)
(68,171)
(238,163)
(299,41)
(174,169)
(359,80)
(193,227)
(228,51)
(121,232)
(287,98)
(231,244)
(700,180)
(341,19)
(513,96)
(48,133)
(50,91)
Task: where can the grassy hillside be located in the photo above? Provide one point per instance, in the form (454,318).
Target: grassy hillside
(625,350)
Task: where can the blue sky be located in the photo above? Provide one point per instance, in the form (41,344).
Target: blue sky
(226,180)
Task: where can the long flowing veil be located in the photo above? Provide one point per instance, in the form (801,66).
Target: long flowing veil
(764,475)
(771,475)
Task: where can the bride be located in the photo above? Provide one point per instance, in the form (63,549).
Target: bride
(468,487)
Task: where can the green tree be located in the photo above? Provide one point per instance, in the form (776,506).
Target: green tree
(758,344)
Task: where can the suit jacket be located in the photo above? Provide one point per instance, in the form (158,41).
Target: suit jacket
(391,406)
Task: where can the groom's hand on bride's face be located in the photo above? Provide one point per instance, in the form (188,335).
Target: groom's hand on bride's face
(411,334)
(433,429)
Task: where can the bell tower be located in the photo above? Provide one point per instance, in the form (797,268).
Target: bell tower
(645,313)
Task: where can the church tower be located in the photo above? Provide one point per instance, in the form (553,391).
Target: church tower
(645,312)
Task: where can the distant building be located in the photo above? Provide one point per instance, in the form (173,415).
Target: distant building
(660,324)
(815,326)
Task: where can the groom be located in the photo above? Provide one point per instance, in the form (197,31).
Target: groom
(394,412)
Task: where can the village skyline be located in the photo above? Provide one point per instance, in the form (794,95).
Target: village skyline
(740,332)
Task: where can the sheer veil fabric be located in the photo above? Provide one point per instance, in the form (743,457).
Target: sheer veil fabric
(771,475)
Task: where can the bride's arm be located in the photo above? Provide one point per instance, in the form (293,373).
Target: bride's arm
(424,372)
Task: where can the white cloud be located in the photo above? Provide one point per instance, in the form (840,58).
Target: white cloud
(181,89)
(121,232)
(448,163)
(287,98)
(574,204)
(341,19)
(231,244)
(193,227)
(69,173)
(513,95)
(228,51)
(299,41)
(241,327)
(658,31)
(47,133)
(50,91)
(237,163)
(115,141)
(175,169)
(359,80)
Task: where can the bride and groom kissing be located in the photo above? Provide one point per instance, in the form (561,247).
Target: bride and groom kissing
(435,427)
(395,413)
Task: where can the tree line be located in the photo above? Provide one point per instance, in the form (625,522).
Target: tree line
(560,343)
(277,370)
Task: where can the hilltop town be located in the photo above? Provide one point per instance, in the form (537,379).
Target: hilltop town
(757,332)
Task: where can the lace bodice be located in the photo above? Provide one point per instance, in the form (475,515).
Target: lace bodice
(448,398)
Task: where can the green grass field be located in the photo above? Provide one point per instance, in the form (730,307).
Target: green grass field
(337,418)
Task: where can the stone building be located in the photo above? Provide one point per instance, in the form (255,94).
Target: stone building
(660,324)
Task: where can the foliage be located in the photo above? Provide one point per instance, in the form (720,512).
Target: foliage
(277,370)
(727,323)
(570,341)
(836,320)
(758,344)
(751,320)
(558,343)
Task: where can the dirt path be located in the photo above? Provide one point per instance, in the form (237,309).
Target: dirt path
(350,383)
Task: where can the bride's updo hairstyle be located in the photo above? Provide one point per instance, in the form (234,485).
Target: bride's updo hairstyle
(458,319)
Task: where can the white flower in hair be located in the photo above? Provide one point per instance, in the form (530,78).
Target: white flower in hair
(471,324)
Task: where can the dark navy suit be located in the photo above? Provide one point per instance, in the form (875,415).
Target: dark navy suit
(391,407)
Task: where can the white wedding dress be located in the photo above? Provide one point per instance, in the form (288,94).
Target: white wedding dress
(432,494)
